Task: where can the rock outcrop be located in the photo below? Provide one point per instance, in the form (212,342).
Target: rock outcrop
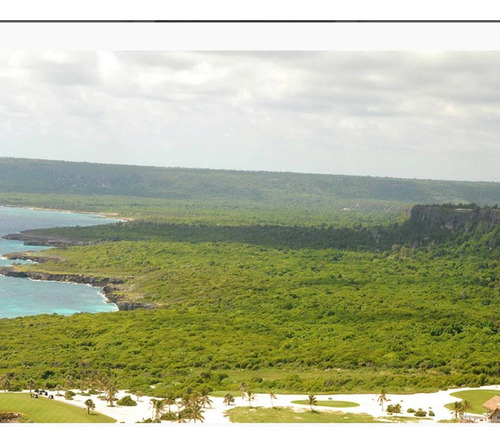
(435,217)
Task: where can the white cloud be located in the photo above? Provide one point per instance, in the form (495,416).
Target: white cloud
(400,114)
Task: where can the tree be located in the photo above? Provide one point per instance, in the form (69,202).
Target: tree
(456,409)
(228,399)
(110,389)
(89,403)
(243,389)
(311,399)
(465,406)
(250,396)
(194,413)
(272,396)
(139,395)
(5,383)
(31,385)
(382,399)
(158,405)
(58,389)
(205,400)
(170,400)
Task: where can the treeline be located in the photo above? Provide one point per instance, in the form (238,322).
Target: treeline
(427,225)
(57,177)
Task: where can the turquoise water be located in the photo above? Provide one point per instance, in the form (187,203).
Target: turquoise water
(22,296)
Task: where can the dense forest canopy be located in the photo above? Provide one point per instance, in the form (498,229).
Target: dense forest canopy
(295,282)
(58,177)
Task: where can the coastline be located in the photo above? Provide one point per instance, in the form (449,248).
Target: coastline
(103,214)
(108,286)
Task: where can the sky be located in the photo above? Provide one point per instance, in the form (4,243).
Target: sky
(408,114)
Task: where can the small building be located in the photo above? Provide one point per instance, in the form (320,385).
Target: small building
(493,407)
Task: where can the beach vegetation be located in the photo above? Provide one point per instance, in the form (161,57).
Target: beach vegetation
(126,401)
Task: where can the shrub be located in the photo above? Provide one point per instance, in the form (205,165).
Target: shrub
(68,395)
(431,413)
(127,401)
(410,410)
(394,408)
(420,413)
(169,417)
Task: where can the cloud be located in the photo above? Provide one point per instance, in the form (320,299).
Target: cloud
(400,114)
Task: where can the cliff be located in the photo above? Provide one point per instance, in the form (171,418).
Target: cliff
(439,218)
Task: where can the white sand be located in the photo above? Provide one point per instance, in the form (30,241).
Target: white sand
(215,415)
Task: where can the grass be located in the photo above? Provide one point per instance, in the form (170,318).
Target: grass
(287,415)
(328,403)
(48,411)
(476,397)
(404,419)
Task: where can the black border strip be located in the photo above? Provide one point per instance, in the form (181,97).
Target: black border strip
(249,21)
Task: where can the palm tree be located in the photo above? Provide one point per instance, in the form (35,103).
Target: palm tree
(228,399)
(5,383)
(158,406)
(456,409)
(170,400)
(89,403)
(181,417)
(196,413)
(311,400)
(250,396)
(465,406)
(110,389)
(31,385)
(205,400)
(272,396)
(243,389)
(382,399)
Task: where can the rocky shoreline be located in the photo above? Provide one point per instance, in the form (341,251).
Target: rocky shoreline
(32,237)
(109,286)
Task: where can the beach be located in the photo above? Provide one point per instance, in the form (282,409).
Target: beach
(215,415)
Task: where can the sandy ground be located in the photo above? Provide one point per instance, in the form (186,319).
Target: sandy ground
(215,415)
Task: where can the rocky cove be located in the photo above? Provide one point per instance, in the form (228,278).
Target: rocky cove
(109,286)
(49,292)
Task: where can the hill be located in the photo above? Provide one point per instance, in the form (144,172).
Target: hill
(58,177)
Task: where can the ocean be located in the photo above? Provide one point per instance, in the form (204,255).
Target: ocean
(22,296)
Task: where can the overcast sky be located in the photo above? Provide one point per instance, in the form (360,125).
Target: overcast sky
(391,114)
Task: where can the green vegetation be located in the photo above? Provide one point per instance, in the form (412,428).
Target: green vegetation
(292,314)
(47,410)
(126,401)
(283,282)
(288,415)
(56,177)
(476,398)
(328,403)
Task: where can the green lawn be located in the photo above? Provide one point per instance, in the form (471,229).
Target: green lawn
(328,403)
(476,397)
(46,410)
(287,415)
